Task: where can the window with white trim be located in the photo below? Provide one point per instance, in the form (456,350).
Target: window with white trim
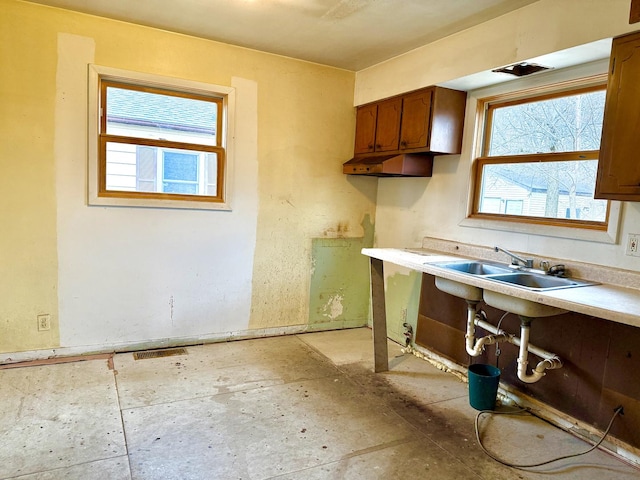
(539,158)
(157,141)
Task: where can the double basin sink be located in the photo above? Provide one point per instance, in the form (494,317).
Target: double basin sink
(524,279)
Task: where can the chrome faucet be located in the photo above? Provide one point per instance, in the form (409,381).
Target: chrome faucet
(515,259)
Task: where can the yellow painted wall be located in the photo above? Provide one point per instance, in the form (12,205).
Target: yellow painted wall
(305,131)
(28,261)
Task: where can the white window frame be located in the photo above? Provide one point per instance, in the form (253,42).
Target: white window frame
(97,72)
(583,75)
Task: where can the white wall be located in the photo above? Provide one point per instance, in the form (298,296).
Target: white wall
(147,273)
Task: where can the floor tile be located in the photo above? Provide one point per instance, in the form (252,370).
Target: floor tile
(418,459)
(111,469)
(298,407)
(217,369)
(58,415)
(525,439)
(259,433)
(413,378)
(354,346)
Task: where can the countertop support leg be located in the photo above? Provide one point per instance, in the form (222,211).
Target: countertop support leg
(380,353)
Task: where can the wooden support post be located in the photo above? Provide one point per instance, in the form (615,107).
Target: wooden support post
(380,353)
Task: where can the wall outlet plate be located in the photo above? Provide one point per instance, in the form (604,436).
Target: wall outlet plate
(633,249)
(44,322)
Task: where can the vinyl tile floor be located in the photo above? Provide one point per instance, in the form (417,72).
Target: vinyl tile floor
(296,407)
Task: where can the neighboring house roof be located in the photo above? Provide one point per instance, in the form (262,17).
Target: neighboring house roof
(537,183)
(132,107)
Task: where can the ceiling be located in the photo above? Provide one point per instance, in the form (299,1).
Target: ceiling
(349,34)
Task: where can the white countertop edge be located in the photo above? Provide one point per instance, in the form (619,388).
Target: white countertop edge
(610,302)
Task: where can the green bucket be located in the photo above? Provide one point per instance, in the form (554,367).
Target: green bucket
(483,386)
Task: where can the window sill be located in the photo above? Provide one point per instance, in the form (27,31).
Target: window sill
(598,236)
(156,203)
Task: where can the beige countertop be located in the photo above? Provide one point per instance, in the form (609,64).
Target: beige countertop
(615,298)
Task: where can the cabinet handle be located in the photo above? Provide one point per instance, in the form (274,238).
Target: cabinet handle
(403,144)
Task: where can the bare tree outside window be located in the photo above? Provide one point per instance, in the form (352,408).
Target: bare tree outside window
(543,153)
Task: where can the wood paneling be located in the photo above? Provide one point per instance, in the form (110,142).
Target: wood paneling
(601,358)
(634,14)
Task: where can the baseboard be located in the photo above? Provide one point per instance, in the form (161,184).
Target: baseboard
(45,354)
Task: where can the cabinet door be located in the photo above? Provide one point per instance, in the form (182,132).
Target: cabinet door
(619,164)
(416,113)
(388,127)
(366,128)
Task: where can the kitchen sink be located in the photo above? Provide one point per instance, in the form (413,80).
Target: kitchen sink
(502,273)
(459,289)
(520,306)
(475,267)
(538,282)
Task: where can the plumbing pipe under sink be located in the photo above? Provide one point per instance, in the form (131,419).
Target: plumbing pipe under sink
(551,360)
(475,347)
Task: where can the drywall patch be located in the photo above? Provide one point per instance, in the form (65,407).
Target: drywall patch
(339,289)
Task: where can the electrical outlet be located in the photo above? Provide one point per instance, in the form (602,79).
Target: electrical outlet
(44,322)
(633,249)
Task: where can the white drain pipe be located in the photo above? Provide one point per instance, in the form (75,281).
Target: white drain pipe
(551,360)
(474,348)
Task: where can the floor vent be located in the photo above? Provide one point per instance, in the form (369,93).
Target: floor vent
(167,352)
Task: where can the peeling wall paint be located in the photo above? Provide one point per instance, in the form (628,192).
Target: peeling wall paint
(339,290)
(334,308)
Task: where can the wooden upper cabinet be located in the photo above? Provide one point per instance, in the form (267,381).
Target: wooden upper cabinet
(429,120)
(619,164)
(416,111)
(388,126)
(366,128)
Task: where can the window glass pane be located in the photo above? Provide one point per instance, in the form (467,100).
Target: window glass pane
(180,173)
(180,166)
(138,168)
(161,117)
(543,189)
(212,174)
(184,188)
(564,124)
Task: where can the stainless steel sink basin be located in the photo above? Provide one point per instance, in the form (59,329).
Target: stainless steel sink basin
(505,274)
(475,267)
(520,306)
(538,282)
(528,280)
(459,289)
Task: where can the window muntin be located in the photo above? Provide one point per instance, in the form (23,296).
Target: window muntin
(539,159)
(160,143)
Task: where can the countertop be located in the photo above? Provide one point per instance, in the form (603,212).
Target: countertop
(610,301)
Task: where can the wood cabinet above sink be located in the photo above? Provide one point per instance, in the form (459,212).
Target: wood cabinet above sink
(426,122)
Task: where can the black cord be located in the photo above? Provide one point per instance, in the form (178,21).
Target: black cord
(617,412)
(498,351)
